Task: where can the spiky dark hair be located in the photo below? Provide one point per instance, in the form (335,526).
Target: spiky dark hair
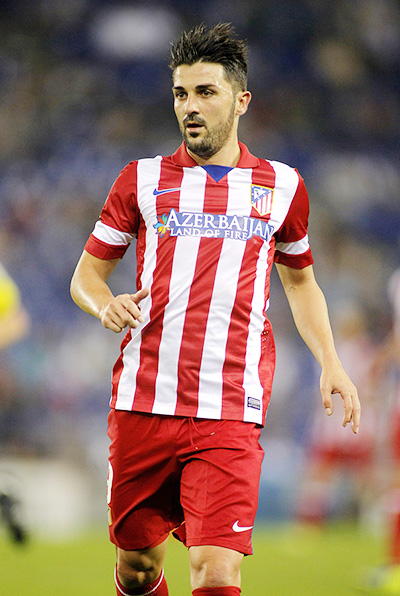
(217,45)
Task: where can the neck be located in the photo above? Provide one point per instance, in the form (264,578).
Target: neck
(228,156)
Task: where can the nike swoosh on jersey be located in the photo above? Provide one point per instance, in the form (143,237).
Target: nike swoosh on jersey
(157,192)
(237,528)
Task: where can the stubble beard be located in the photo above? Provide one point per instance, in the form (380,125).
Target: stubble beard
(213,140)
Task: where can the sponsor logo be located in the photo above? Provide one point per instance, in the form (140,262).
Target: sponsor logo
(253,402)
(211,225)
(237,528)
(261,199)
(157,192)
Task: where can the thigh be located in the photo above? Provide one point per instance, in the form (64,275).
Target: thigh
(219,488)
(144,480)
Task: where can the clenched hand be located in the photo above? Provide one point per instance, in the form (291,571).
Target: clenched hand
(123,311)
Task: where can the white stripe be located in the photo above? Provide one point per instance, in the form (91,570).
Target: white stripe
(183,269)
(148,175)
(222,302)
(294,248)
(251,381)
(110,235)
(286,183)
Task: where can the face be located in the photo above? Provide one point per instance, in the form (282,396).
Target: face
(206,106)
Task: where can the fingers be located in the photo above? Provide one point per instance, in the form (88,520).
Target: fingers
(123,311)
(351,403)
(351,406)
(143,293)
(352,411)
(327,398)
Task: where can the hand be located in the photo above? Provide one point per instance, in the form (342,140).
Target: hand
(123,311)
(335,380)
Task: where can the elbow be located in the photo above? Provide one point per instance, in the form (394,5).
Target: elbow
(73,288)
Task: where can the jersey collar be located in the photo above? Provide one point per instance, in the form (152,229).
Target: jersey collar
(182,158)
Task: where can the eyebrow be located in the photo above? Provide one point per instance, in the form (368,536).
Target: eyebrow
(198,87)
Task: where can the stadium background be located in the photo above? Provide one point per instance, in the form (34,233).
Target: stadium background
(85,88)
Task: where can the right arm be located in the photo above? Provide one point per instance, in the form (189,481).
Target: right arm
(91,293)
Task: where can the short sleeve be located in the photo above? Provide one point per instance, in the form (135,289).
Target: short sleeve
(292,244)
(119,218)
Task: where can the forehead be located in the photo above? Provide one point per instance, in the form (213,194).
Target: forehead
(201,73)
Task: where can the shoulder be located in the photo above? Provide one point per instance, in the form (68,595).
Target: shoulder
(283,169)
(278,176)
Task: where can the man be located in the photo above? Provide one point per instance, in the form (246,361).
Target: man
(192,383)
(385,382)
(14,326)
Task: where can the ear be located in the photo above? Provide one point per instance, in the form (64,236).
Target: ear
(243,99)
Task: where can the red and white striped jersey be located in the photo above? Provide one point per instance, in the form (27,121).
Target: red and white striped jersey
(206,240)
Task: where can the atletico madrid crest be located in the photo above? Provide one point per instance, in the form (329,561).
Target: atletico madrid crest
(261,199)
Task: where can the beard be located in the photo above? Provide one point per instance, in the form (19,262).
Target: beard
(213,139)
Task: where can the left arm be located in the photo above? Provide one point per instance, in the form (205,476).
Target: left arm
(310,314)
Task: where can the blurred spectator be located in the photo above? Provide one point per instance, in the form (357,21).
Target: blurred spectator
(14,325)
(14,319)
(385,380)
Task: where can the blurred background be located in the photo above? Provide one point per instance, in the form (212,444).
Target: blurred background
(85,88)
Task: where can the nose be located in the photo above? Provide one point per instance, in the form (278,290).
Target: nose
(191,105)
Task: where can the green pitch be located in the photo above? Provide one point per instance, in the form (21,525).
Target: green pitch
(287,562)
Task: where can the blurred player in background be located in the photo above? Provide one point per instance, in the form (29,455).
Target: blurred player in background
(14,320)
(14,326)
(192,384)
(386,383)
(332,459)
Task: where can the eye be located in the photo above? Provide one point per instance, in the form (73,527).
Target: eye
(180,94)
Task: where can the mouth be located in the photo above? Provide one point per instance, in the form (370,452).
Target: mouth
(193,127)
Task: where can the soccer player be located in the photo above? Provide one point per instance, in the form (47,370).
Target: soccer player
(386,382)
(14,326)
(191,386)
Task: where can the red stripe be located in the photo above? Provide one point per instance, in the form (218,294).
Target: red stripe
(170,177)
(105,251)
(266,365)
(233,371)
(215,201)
(117,370)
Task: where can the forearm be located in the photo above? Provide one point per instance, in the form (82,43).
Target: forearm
(91,293)
(310,314)
(89,289)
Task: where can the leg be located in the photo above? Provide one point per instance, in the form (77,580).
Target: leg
(219,495)
(143,500)
(214,566)
(139,568)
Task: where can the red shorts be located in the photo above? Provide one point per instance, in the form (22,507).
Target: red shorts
(197,477)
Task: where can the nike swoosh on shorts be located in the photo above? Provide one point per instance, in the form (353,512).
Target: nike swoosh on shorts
(237,528)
